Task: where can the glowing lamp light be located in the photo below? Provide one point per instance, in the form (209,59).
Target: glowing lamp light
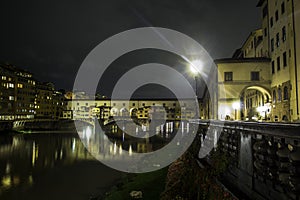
(196,66)
(236,105)
(262,109)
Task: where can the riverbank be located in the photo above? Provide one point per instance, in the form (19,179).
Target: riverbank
(37,125)
(151,185)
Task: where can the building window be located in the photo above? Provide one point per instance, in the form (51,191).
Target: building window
(282,8)
(11,98)
(228,76)
(283,34)
(271,21)
(4,78)
(265,32)
(274,96)
(272,44)
(254,76)
(285,93)
(133,104)
(276,15)
(265,11)
(273,67)
(10,85)
(278,63)
(20,85)
(279,94)
(284,59)
(277,40)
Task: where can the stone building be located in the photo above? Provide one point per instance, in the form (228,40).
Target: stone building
(267,66)
(49,103)
(17,93)
(22,97)
(86,109)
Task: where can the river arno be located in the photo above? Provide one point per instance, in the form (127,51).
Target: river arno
(50,166)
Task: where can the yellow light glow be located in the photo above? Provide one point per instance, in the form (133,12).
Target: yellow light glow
(196,66)
(120,150)
(130,150)
(236,105)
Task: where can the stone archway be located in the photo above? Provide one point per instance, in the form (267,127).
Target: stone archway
(133,112)
(114,112)
(255,103)
(124,112)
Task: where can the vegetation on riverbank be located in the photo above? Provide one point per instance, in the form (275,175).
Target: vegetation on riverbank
(186,180)
(182,180)
(151,184)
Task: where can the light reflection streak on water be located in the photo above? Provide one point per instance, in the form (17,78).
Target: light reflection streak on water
(116,144)
(24,157)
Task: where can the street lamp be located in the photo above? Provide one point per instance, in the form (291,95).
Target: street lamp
(196,67)
(235,106)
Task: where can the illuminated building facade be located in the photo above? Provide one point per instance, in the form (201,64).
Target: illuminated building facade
(280,24)
(83,109)
(17,93)
(48,102)
(22,97)
(262,77)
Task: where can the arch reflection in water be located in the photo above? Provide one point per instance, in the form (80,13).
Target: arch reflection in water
(113,144)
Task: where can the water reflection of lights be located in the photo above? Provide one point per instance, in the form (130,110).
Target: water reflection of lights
(113,146)
(35,153)
(88,133)
(9,181)
(7,168)
(6,181)
(120,150)
(73,145)
(130,150)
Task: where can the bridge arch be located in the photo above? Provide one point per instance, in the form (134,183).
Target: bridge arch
(114,112)
(124,112)
(133,112)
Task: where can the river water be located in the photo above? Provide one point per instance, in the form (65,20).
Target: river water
(56,165)
(50,166)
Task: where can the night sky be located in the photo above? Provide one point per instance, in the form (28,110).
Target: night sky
(51,38)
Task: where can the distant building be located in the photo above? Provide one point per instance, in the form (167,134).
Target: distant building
(84,109)
(17,93)
(49,103)
(22,97)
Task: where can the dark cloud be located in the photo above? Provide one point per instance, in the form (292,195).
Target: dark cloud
(51,38)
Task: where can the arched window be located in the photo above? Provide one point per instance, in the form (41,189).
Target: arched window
(274,96)
(279,94)
(285,93)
